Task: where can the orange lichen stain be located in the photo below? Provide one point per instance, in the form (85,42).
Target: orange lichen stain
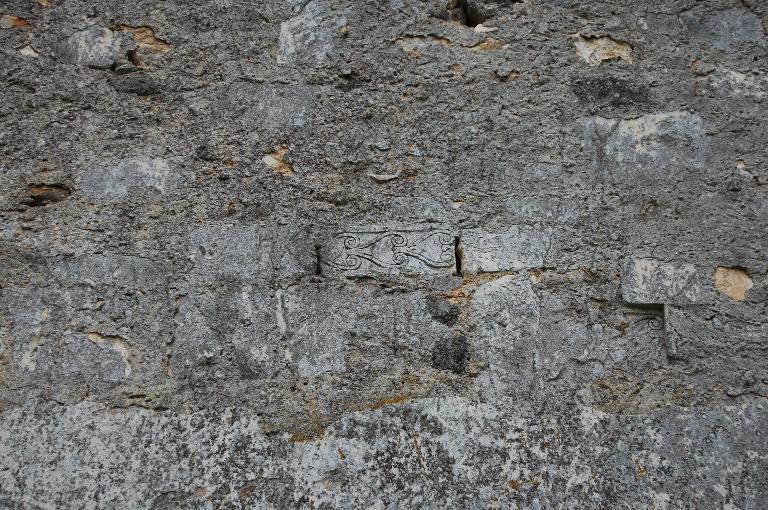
(9,21)
(640,469)
(412,44)
(145,38)
(490,44)
(247,490)
(299,437)
(397,399)
(278,162)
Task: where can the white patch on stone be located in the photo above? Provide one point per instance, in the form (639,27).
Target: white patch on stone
(95,47)
(131,176)
(308,36)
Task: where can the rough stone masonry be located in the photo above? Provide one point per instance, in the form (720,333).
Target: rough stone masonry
(386,254)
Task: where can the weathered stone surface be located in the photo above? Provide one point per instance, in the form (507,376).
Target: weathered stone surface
(653,146)
(134,176)
(96,47)
(536,461)
(390,251)
(255,251)
(401,254)
(520,247)
(308,36)
(649,281)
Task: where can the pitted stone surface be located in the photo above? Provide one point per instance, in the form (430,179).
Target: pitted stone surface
(649,281)
(250,251)
(520,247)
(322,254)
(138,175)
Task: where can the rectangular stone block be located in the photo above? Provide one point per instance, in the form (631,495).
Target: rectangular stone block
(108,269)
(251,252)
(649,281)
(378,250)
(521,247)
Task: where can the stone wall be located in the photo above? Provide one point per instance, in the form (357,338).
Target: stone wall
(383,254)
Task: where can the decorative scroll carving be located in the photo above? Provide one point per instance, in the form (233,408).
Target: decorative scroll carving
(381,250)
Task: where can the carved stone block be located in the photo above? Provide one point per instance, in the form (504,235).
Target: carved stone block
(390,251)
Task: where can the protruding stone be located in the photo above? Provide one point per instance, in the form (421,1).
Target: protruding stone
(650,281)
(399,250)
(95,47)
(521,247)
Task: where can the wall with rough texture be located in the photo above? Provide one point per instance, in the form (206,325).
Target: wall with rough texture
(384,254)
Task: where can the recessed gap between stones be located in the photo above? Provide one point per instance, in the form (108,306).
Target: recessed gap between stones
(458,254)
(467,14)
(318,262)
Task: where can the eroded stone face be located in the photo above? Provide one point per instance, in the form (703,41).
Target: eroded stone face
(250,252)
(521,247)
(649,281)
(402,254)
(653,146)
(96,47)
(139,176)
(308,36)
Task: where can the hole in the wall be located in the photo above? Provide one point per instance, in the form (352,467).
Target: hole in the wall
(466,12)
(458,254)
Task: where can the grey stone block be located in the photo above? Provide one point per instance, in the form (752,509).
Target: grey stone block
(653,146)
(650,281)
(520,247)
(134,176)
(251,252)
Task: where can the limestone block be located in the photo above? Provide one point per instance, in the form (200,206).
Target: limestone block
(651,146)
(95,358)
(521,247)
(649,281)
(308,36)
(109,269)
(397,250)
(29,334)
(250,251)
(133,176)
(271,107)
(319,321)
